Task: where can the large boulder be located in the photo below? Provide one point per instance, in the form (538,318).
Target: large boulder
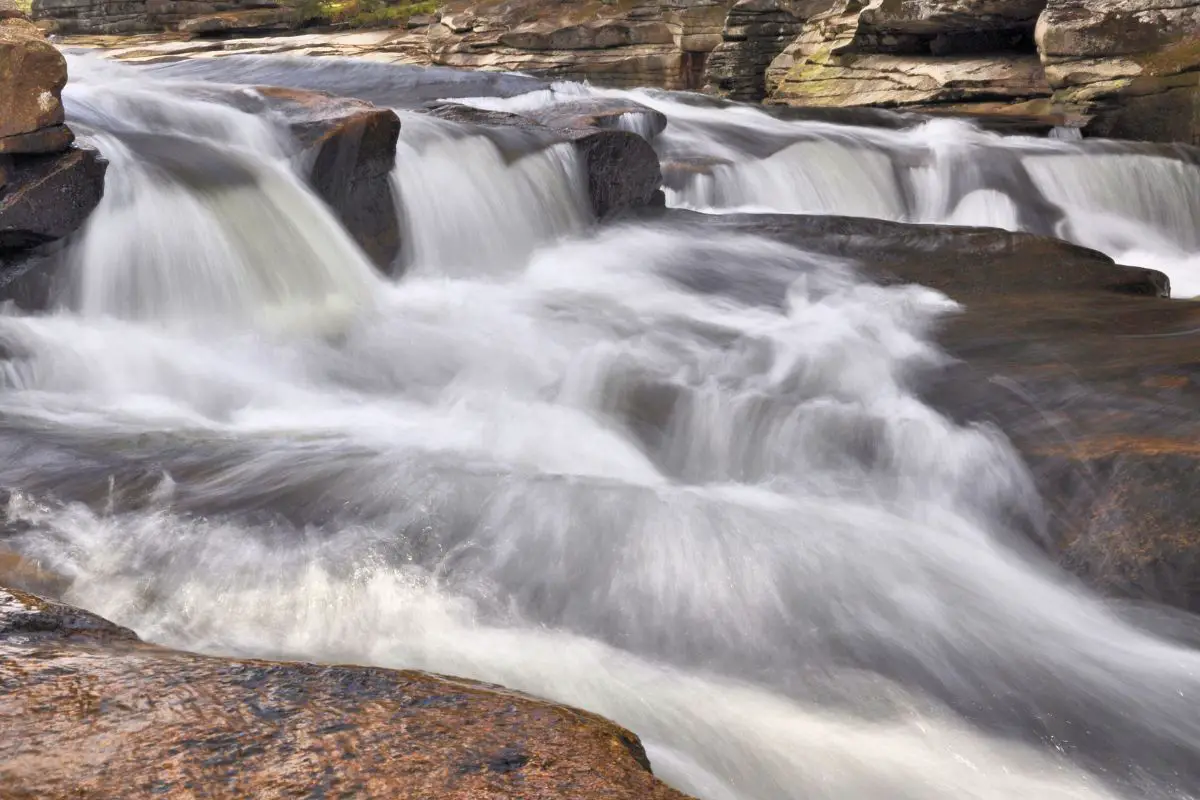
(91,710)
(33,74)
(1132,67)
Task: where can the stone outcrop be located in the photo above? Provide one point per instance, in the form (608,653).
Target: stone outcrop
(133,16)
(1127,69)
(1131,66)
(615,44)
(622,168)
(89,710)
(47,186)
(755,33)
(920,54)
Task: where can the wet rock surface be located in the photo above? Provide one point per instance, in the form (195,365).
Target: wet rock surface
(352,147)
(89,710)
(1082,363)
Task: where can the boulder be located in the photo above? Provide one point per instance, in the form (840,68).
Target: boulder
(33,74)
(46,197)
(350,149)
(1132,67)
(91,710)
(623,171)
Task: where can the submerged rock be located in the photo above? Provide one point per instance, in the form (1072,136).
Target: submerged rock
(123,718)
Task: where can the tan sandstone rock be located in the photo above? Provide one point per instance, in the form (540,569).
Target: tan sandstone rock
(32,74)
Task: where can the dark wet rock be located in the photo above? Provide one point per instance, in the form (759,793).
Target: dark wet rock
(125,719)
(607,114)
(350,146)
(46,197)
(622,168)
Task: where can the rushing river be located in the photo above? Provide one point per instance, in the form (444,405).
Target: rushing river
(539,459)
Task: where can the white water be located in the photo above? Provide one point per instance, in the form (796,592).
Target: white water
(467,209)
(574,467)
(819,168)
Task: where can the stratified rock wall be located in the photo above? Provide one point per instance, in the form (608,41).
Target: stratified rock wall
(1123,68)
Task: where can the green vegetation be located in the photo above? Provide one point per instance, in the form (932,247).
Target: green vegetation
(365,13)
(25,5)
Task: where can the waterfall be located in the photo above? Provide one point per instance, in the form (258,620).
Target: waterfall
(202,219)
(466,205)
(675,475)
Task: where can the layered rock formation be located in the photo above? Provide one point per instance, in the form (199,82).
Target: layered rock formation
(133,16)
(47,186)
(1125,69)
(1132,66)
(920,54)
(89,710)
(636,43)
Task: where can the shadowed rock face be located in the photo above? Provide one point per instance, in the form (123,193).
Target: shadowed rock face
(91,711)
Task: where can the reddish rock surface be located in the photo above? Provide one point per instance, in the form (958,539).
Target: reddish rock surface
(89,711)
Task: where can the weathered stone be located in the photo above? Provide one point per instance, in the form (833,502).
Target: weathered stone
(123,17)
(755,33)
(33,74)
(1131,66)
(922,54)
(54,139)
(618,44)
(47,197)
(91,711)
(10,10)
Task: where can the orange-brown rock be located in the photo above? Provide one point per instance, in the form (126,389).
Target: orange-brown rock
(32,74)
(89,711)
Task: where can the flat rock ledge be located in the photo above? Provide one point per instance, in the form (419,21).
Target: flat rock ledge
(90,711)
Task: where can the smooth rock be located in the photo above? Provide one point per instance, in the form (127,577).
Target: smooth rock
(46,197)
(252,21)
(89,710)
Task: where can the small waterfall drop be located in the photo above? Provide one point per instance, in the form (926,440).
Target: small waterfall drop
(469,206)
(202,219)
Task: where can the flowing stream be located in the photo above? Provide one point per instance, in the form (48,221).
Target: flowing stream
(543,459)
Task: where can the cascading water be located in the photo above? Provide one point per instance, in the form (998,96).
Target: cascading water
(1139,207)
(681,479)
